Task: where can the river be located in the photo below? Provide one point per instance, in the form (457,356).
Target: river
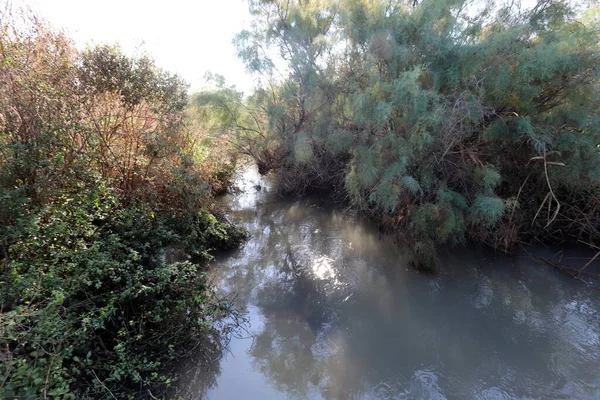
(335,312)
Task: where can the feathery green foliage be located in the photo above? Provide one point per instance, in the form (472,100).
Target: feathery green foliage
(437,112)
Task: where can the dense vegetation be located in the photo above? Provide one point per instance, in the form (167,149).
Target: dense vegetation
(100,174)
(446,120)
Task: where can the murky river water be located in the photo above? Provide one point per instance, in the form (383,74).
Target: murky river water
(335,313)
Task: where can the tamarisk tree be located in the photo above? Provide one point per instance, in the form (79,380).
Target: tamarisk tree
(451,119)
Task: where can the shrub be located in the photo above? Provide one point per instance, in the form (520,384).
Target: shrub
(98,177)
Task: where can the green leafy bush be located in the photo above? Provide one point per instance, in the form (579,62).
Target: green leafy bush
(95,306)
(98,178)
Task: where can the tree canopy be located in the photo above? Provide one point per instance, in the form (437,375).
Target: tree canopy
(448,119)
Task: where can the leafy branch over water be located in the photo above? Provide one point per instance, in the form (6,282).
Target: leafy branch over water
(445,120)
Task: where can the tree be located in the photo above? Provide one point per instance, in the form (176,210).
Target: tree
(446,119)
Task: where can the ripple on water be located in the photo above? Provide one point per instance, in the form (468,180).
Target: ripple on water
(424,385)
(485,292)
(495,393)
(579,326)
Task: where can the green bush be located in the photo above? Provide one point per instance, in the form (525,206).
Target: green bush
(94,305)
(99,176)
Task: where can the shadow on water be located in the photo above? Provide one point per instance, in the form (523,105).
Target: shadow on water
(335,313)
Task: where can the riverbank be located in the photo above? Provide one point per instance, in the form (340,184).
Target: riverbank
(101,170)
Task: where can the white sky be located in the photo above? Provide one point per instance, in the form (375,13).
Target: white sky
(188,37)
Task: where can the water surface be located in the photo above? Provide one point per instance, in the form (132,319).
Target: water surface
(335,313)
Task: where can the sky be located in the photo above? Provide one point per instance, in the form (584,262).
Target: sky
(187,37)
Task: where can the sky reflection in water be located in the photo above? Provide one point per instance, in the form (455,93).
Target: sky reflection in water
(335,313)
